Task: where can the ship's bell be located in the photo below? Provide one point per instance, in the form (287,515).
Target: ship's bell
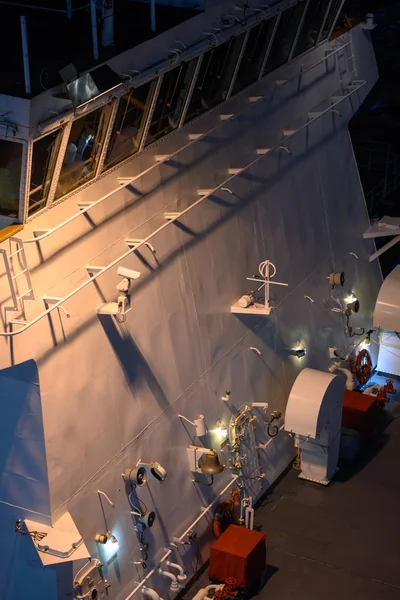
(210,464)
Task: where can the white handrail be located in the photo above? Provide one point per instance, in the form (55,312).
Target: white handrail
(168,157)
(181,538)
(176,216)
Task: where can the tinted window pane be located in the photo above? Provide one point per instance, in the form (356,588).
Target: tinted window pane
(214,77)
(331,18)
(10,177)
(284,37)
(170,101)
(44,157)
(128,126)
(83,150)
(311,25)
(256,47)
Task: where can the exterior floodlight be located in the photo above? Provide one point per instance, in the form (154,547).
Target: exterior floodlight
(144,472)
(199,424)
(146,518)
(337,279)
(221,430)
(352,305)
(107,538)
(299,351)
(135,476)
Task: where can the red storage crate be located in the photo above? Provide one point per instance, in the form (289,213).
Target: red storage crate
(360,412)
(240,553)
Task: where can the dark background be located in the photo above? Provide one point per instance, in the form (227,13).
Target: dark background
(375,127)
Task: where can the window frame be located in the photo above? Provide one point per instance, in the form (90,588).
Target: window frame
(296,37)
(31,143)
(113,102)
(320,37)
(268,51)
(23,179)
(102,167)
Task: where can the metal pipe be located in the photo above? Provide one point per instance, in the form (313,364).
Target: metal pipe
(383,249)
(174,586)
(160,162)
(182,537)
(95,41)
(69,9)
(169,222)
(153,14)
(107,33)
(25,56)
(182,575)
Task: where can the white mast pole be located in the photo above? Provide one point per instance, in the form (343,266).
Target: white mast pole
(69,9)
(94,29)
(25,56)
(153,14)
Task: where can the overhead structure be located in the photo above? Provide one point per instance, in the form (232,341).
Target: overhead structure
(314,415)
(385,227)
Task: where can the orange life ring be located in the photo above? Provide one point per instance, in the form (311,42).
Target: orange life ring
(225,514)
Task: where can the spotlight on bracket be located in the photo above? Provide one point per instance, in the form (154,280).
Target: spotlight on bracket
(143,472)
(337,279)
(352,304)
(199,424)
(299,350)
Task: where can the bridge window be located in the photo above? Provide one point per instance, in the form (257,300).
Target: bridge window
(284,37)
(254,54)
(170,101)
(10,177)
(215,76)
(44,155)
(129,124)
(311,25)
(83,150)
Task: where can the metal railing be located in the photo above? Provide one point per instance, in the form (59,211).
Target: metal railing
(172,217)
(84,207)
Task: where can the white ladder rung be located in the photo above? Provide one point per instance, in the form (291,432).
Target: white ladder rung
(195,136)
(314,115)
(125,180)
(169,216)
(19,273)
(162,157)
(204,191)
(24,294)
(263,150)
(255,98)
(16,252)
(93,269)
(234,171)
(281,81)
(226,117)
(288,132)
(19,322)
